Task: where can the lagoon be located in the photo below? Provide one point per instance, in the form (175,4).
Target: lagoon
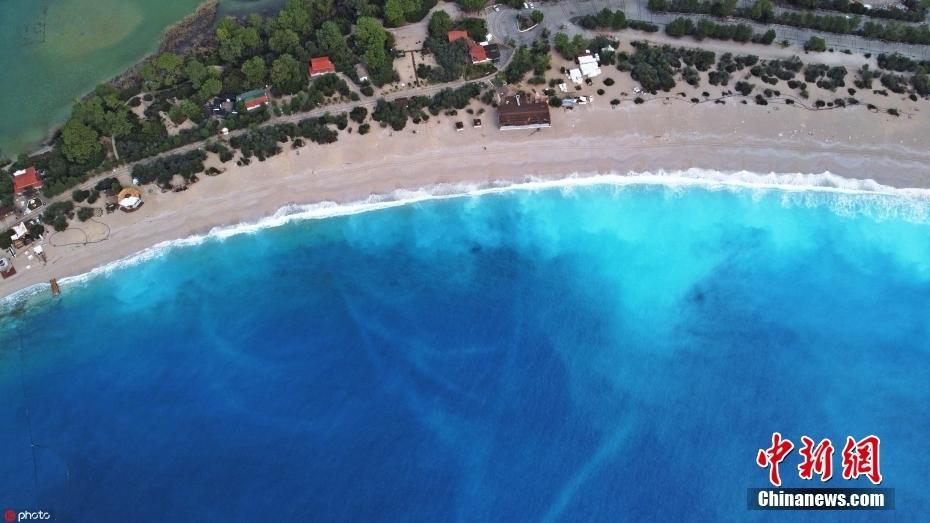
(52,52)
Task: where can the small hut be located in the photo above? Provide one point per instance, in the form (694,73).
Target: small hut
(129,199)
(6,268)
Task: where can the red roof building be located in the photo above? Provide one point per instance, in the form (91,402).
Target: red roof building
(321,65)
(477,53)
(26,179)
(457,35)
(255,103)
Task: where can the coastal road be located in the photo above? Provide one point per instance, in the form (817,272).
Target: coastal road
(559,16)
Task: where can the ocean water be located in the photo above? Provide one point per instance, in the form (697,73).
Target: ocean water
(591,352)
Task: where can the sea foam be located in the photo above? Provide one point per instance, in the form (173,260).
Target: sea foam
(844,196)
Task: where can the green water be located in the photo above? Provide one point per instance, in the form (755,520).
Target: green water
(52,52)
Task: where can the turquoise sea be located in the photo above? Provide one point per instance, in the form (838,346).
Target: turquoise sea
(587,352)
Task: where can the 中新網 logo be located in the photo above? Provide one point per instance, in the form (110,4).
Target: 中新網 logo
(859,458)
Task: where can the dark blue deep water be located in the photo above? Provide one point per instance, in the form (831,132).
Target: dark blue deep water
(599,354)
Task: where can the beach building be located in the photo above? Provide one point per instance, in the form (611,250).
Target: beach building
(19,235)
(129,199)
(6,267)
(477,53)
(516,113)
(25,180)
(588,67)
(321,65)
(253,99)
(223,105)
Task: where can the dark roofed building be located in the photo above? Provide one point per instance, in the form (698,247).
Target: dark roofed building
(516,112)
(493,51)
(223,105)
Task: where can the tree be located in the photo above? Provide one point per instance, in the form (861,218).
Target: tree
(537,16)
(294,16)
(358,114)
(210,88)
(679,27)
(196,72)
(287,75)
(472,5)
(283,41)
(816,44)
(395,12)
(921,83)
(370,41)
(235,40)
(255,71)
(192,111)
(440,24)
(569,48)
(330,40)
(164,71)
(89,111)
(177,114)
(762,11)
(80,143)
(116,125)
(320,10)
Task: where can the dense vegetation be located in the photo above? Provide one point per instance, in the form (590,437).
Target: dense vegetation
(396,113)
(742,33)
(762,11)
(526,59)
(451,57)
(914,12)
(655,67)
(109,127)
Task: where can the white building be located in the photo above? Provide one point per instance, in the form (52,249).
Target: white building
(587,68)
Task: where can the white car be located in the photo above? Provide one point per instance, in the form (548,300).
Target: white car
(497,8)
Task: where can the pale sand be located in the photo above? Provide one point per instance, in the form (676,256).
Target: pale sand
(596,138)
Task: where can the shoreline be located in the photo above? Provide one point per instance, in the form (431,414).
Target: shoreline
(854,145)
(694,178)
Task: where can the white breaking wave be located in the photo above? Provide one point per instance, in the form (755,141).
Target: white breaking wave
(845,196)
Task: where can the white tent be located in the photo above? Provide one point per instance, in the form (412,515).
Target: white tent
(130,202)
(589,66)
(19,231)
(575,75)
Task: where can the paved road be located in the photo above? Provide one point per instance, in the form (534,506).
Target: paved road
(559,14)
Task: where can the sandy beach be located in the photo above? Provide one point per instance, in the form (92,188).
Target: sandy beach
(598,138)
